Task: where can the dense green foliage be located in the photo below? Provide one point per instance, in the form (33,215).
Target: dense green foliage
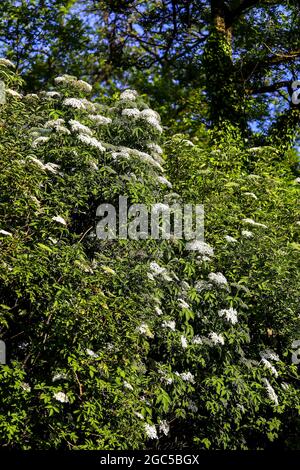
(133,344)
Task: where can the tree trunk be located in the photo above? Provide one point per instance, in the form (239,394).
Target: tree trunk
(224,96)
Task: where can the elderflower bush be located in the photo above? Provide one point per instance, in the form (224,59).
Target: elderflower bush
(120,344)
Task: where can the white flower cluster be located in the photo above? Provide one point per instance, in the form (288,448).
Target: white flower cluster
(4,232)
(151,431)
(52,167)
(157,270)
(61,396)
(52,94)
(269,354)
(79,103)
(155,148)
(186,376)
(91,141)
(252,222)
(99,119)
(58,126)
(247,234)
(216,339)
(169,324)
(202,247)
(230,314)
(127,385)
(184,342)
(76,126)
(269,366)
(230,239)
(164,181)
(6,62)
(130,112)
(128,95)
(164,427)
(59,219)
(71,81)
(13,93)
(270,391)
(145,330)
(218,278)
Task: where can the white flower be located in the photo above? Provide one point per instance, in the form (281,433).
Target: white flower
(252,222)
(74,103)
(91,353)
(270,391)
(116,155)
(76,126)
(247,234)
(218,278)
(54,123)
(197,340)
(284,385)
(164,427)
(155,148)
(59,219)
(297,180)
(139,415)
(269,366)
(26,387)
(230,239)
(145,330)
(92,141)
(169,324)
(158,310)
(4,232)
(156,269)
(154,123)
(39,140)
(62,130)
(151,431)
(164,180)
(59,376)
(53,94)
(32,96)
(251,195)
(183,304)
(269,354)
(61,396)
(128,95)
(6,62)
(149,114)
(187,377)
(202,247)
(216,339)
(127,385)
(184,342)
(99,119)
(13,93)
(83,86)
(72,81)
(202,285)
(52,167)
(230,314)
(130,112)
